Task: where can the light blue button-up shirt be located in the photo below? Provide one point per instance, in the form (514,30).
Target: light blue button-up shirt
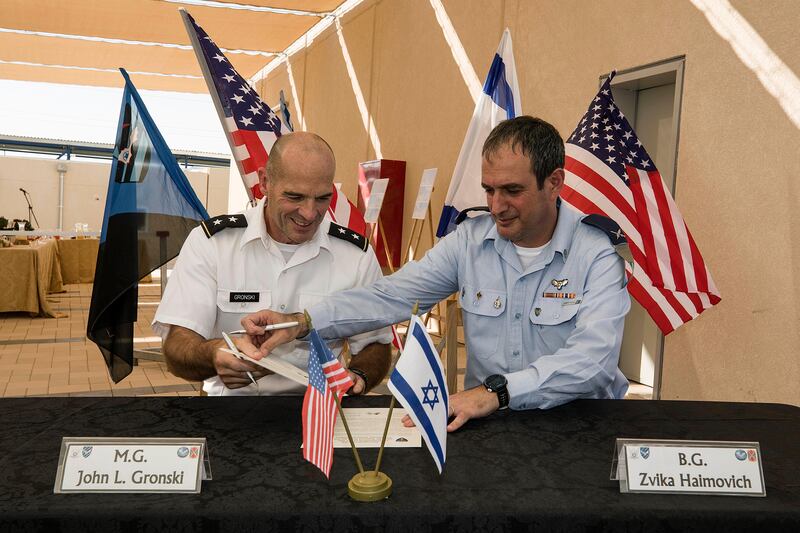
(553,345)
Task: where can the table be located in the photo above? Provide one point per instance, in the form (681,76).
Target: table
(542,470)
(78,259)
(27,274)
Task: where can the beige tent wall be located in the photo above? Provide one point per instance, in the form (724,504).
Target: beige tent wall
(85,187)
(738,151)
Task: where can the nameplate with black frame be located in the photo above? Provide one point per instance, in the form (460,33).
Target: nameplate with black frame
(688,467)
(102,464)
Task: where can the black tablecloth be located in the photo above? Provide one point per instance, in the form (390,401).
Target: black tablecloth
(530,470)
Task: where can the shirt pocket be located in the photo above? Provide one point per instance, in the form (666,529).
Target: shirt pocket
(230,314)
(553,320)
(483,319)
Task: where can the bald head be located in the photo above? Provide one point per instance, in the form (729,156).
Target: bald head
(300,155)
(298,186)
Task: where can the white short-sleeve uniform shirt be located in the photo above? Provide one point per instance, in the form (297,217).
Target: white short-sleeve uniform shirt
(218,280)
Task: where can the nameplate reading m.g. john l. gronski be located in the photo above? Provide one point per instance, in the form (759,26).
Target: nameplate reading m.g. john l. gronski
(132,465)
(689,467)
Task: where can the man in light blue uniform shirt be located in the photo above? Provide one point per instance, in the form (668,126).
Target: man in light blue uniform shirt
(542,290)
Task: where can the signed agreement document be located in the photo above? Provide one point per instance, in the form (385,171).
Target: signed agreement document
(367,424)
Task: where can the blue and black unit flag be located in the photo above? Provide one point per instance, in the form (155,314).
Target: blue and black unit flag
(150,210)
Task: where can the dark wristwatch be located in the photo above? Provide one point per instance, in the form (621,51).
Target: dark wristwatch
(497,383)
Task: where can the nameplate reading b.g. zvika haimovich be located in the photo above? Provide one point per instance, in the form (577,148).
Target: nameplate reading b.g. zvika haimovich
(132,465)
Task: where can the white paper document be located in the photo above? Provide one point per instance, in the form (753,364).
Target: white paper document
(375,201)
(424,193)
(367,425)
(275,364)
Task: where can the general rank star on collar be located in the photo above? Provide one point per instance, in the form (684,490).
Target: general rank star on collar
(217,224)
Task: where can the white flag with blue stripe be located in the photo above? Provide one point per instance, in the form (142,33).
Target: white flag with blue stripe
(499,101)
(418,383)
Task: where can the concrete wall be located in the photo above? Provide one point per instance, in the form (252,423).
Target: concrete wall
(738,148)
(85,189)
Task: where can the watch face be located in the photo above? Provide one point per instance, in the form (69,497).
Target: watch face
(495,382)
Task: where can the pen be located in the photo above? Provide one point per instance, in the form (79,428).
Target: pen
(235,351)
(282,325)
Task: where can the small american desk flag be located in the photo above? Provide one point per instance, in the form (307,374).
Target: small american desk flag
(608,172)
(251,127)
(326,377)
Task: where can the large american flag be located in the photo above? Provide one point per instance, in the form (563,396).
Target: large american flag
(608,172)
(251,127)
(326,377)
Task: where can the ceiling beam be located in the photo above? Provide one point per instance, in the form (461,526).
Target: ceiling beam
(245,7)
(127,41)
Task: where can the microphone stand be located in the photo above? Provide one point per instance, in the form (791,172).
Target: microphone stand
(31,214)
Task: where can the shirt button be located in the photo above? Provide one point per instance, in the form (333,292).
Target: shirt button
(517,316)
(516,353)
(555,315)
(283,306)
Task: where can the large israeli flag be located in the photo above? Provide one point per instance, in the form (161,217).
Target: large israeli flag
(418,383)
(499,101)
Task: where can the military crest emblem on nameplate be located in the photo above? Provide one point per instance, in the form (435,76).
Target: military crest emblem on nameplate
(86,451)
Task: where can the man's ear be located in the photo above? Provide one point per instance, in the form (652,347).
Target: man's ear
(262,181)
(554,182)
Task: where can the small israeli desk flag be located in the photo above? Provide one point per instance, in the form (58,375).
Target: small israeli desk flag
(418,383)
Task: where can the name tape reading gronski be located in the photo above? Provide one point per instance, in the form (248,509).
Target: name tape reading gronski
(708,468)
(91,465)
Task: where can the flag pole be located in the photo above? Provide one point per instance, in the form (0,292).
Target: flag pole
(198,52)
(414,311)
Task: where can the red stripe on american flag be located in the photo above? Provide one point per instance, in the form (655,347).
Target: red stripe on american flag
(645,300)
(597,181)
(665,215)
(645,229)
(584,205)
(701,274)
(251,141)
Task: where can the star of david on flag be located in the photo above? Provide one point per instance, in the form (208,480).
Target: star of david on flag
(418,383)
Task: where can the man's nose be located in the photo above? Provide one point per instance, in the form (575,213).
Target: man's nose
(496,204)
(308,210)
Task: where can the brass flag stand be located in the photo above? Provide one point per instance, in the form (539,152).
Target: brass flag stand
(375,485)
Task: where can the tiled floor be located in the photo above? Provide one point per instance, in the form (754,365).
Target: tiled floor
(52,357)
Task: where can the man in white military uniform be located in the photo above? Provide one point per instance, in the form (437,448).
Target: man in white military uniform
(281,255)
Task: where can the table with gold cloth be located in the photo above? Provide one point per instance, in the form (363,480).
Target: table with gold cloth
(27,274)
(78,259)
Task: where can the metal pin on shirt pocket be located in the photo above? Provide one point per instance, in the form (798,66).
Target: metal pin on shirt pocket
(573,302)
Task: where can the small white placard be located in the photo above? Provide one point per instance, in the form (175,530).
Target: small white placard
(424,193)
(375,202)
(367,425)
(690,467)
(132,465)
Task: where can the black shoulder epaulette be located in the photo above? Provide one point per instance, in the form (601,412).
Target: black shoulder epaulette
(340,232)
(613,232)
(608,226)
(462,216)
(216,224)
